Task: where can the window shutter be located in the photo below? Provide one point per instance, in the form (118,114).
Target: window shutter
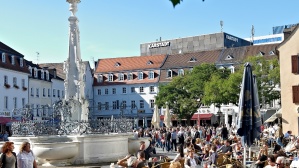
(296,94)
(295,63)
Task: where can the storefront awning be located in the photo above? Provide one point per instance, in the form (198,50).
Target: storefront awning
(202,116)
(273,117)
(5,120)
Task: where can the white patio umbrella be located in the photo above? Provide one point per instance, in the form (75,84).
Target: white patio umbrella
(167,117)
(156,117)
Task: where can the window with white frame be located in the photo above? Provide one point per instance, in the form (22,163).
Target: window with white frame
(3,57)
(232,69)
(42,74)
(130,76)
(21,62)
(133,90)
(113,90)
(152,103)
(54,92)
(106,105)
(106,91)
(49,92)
(35,72)
(23,102)
(58,93)
(180,72)
(23,82)
(62,93)
(5,79)
(13,60)
(99,106)
(133,104)
(84,77)
(151,75)
(169,74)
(124,90)
(37,92)
(141,89)
(100,78)
(5,102)
(14,81)
(31,92)
(114,105)
(47,75)
(152,89)
(140,75)
(121,77)
(110,78)
(99,91)
(123,104)
(141,104)
(44,92)
(37,110)
(15,102)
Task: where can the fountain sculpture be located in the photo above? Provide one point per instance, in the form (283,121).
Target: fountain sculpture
(70,137)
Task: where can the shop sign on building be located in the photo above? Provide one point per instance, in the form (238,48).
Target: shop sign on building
(158,45)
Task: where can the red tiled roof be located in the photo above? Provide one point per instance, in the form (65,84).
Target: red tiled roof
(265,49)
(7,49)
(16,67)
(129,63)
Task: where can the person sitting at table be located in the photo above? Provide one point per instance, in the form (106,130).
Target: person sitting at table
(262,156)
(291,146)
(127,161)
(213,155)
(196,147)
(190,160)
(238,149)
(226,149)
(180,154)
(280,159)
(271,162)
(175,165)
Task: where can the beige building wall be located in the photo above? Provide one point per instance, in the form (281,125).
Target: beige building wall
(289,110)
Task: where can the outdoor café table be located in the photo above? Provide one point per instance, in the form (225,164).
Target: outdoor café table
(295,163)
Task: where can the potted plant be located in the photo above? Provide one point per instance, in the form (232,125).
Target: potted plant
(24,88)
(16,86)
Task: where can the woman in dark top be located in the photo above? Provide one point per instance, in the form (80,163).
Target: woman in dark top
(8,158)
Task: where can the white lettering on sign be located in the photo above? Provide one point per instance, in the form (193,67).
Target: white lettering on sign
(231,38)
(158,45)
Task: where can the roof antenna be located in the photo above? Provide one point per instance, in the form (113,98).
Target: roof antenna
(221,25)
(37,57)
(252,34)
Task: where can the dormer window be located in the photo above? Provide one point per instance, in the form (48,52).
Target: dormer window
(180,72)
(110,77)
(47,75)
(21,62)
(100,78)
(232,69)
(13,60)
(229,57)
(42,74)
(117,64)
(130,76)
(35,72)
(193,59)
(169,74)
(261,53)
(30,70)
(271,53)
(3,57)
(149,62)
(121,77)
(54,73)
(151,75)
(140,75)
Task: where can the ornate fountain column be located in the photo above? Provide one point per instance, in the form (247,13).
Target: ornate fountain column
(74,69)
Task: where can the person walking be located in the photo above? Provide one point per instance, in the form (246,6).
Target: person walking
(8,158)
(168,140)
(25,158)
(173,139)
(224,133)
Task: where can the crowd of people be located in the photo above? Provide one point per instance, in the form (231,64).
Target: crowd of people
(204,146)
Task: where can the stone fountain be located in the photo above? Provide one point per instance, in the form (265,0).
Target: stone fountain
(71,137)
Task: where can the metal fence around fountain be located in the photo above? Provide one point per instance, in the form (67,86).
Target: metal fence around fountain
(59,124)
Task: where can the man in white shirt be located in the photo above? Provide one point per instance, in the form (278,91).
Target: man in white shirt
(291,146)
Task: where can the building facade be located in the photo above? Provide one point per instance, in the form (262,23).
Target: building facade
(127,87)
(288,59)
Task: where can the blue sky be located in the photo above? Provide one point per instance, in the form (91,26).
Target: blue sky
(116,28)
